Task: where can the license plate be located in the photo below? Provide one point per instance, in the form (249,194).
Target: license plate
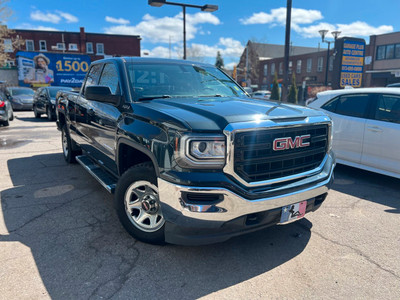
(293,212)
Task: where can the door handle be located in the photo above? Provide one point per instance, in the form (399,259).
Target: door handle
(374,128)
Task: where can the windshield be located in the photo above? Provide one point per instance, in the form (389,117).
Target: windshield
(150,81)
(19,92)
(53,92)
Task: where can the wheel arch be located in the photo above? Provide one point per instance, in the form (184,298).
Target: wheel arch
(130,154)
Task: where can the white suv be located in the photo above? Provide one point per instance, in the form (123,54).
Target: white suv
(366,127)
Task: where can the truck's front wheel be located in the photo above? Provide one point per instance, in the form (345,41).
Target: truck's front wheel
(138,206)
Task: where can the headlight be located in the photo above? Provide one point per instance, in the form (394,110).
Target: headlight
(53,101)
(201,151)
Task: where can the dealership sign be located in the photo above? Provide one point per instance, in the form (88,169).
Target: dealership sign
(37,69)
(350,53)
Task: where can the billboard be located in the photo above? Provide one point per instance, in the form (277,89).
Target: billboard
(350,61)
(37,69)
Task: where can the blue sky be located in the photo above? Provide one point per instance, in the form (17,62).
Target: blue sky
(226,30)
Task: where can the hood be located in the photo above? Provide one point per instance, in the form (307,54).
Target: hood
(24,98)
(216,113)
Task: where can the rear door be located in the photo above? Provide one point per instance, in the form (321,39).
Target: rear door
(382,135)
(104,118)
(348,113)
(83,113)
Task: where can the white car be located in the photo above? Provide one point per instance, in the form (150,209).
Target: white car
(366,127)
(265,95)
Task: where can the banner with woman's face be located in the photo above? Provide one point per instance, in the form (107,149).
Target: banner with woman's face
(37,69)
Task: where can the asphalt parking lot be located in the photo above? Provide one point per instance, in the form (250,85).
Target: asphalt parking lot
(60,238)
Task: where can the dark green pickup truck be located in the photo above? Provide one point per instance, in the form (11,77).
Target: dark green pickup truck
(190,157)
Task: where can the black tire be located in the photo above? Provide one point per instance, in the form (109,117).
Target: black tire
(50,115)
(67,146)
(138,187)
(12,117)
(35,112)
(6,123)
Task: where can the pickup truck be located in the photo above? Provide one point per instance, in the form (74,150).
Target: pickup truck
(190,157)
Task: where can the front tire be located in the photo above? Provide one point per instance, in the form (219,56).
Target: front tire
(68,152)
(35,112)
(50,116)
(138,206)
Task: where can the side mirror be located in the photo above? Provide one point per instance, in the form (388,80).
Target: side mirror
(102,94)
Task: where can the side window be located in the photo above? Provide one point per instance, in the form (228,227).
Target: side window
(388,109)
(93,75)
(331,105)
(352,105)
(109,77)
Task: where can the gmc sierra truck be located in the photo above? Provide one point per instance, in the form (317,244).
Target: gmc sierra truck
(190,157)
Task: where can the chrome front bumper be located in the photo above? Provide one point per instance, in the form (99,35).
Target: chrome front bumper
(180,212)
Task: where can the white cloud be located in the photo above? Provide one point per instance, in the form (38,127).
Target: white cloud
(117,21)
(45,17)
(54,18)
(300,17)
(166,29)
(68,17)
(278,16)
(362,29)
(228,47)
(30,26)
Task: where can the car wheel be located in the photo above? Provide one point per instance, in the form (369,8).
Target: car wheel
(35,112)
(6,123)
(50,116)
(138,205)
(67,146)
(12,116)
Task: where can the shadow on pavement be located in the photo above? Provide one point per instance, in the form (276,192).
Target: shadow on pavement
(81,250)
(383,189)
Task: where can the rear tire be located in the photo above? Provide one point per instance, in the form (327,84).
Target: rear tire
(50,116)
(35,112)
(138,205)
(67,146)
(6,123)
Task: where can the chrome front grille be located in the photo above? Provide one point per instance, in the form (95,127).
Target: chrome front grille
(255,160)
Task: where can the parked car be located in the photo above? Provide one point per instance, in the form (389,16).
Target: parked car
(394,84)
(366,127)
(21,98)
(6,111)
(264,95)
(44,101)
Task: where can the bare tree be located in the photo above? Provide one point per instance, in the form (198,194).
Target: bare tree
(8,39)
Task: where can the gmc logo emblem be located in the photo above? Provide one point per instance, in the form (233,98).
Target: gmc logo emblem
(288,143)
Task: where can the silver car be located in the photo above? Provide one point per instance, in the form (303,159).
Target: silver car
(21,98)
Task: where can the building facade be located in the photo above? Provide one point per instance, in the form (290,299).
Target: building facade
(89,46)
(253,56)
(382,62)
(95,45)
(308,69)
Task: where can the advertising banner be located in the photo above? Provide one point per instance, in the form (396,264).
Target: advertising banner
(37,69)
(352,63)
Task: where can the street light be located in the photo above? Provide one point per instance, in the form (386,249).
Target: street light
(323,35)
(206,7)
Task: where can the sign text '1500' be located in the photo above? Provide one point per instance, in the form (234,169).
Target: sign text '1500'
(75,66)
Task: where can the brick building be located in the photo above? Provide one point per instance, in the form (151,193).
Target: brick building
(382,61)
(94,45)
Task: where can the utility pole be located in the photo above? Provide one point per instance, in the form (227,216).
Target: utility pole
(287,45)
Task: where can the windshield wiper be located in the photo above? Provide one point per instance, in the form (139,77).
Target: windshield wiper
(216,95)
(155,97)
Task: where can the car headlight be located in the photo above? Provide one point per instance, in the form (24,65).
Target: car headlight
(53,101)
(201,151)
